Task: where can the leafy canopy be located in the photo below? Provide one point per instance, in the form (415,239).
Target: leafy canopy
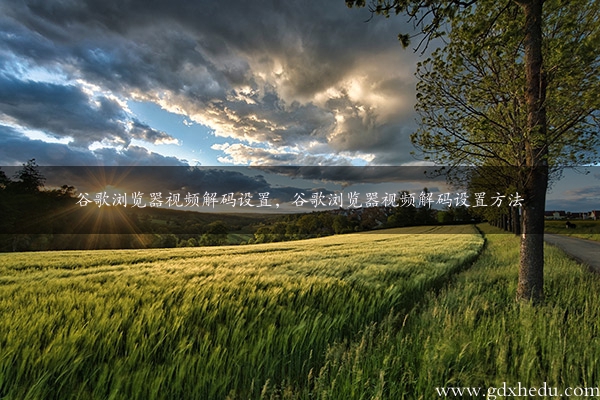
(471,92)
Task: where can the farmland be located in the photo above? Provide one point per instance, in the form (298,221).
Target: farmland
(586,229)
(372,315)
(472,333)
(214,322)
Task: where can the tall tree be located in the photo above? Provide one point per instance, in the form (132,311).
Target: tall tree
(30,178)
(516,85)
(4,181)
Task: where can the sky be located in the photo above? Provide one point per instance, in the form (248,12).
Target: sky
(203,83)
(209,83)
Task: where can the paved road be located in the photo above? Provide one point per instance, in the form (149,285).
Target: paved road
(584,251)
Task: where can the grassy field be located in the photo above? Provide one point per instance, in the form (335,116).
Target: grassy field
(587,229)
(473,334)
(260,321)
(361,316)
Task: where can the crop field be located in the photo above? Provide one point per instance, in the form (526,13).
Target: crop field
(472,334)
(391,315)
(278,320)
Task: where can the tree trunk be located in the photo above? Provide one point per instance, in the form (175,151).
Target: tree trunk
(531,268)
(516,221)
(535,177)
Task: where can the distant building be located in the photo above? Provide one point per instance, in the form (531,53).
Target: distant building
(555,215)
(579,215)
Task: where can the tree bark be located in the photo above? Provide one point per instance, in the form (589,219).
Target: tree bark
(535,176)
(516,220)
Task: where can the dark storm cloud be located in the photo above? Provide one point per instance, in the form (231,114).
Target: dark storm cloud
(257,72)
(142,131)
(293,28)
(352,175)
(572,205)
(17,39)
(134,155)
(169,180)
(16,149)
(66,111)
(165,179)
(591,193)
(160,38)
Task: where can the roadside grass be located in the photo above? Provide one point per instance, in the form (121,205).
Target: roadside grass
(587,229)
(239,322)
(472,333)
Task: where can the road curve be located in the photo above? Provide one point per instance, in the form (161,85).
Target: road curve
(585,251)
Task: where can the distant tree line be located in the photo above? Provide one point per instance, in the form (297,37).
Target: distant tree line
(34,218)
(340,221)
(27,209)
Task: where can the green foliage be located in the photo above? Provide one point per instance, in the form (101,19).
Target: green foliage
(168,241)
(516,84)
(30,179)
(209,239)
(305,226)
(4,181)
(411,215)
(216,228)
(191,242)
(472,98)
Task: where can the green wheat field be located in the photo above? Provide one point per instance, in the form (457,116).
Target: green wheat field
(385,315)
